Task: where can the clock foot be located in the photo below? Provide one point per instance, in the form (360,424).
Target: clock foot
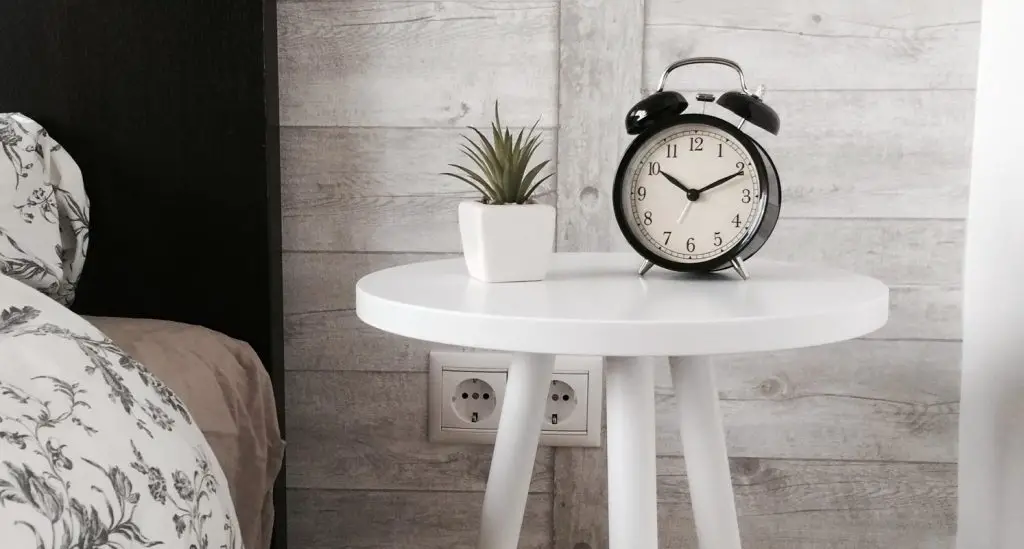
(644,268)
(737,264)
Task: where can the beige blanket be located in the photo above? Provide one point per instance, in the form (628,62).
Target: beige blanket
(227,389)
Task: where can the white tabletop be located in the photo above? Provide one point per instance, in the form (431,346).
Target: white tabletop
(595,304)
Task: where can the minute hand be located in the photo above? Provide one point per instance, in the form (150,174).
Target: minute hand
(720,181)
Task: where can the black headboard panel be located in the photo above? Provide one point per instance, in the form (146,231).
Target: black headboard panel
(170,109)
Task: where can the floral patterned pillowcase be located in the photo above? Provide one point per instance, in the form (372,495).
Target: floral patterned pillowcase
(44,210)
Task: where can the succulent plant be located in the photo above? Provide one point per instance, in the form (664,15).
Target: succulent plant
(503,174)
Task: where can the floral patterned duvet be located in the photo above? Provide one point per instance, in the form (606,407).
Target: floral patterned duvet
(95,451)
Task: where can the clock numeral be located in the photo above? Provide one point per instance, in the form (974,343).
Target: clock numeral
(654,168)
(719,150)
(696,143)
(668,235)
(718,238)
(647,218)
(690,245)
(736,221)
(746,196)
(672,150)
(739,166)
(641,192)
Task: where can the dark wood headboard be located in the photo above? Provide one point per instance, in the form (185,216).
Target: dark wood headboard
(171,111)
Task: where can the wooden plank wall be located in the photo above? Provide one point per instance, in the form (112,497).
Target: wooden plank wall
(849,445)
(374,96)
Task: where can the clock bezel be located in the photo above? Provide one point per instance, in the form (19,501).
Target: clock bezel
(758,231)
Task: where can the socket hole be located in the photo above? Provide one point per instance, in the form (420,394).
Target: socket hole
(562,406)
(470,407)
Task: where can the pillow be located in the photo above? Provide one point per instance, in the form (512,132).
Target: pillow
(44,211)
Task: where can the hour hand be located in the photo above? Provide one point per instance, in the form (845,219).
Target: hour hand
(677,183)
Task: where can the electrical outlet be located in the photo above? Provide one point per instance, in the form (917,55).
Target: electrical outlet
(572,408)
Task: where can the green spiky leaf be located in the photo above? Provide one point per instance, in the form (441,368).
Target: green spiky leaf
(502,162)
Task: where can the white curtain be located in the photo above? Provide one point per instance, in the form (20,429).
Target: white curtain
(991,454)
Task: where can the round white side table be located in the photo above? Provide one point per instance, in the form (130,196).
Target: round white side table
(596,304)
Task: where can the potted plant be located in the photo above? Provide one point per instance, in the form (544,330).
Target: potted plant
(506,235)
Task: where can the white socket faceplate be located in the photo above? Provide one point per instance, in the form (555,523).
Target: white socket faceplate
(578,424)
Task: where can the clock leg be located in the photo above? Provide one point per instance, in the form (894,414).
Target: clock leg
(646,266)
(515,450)
(704,451)
(741,270)
(632,461)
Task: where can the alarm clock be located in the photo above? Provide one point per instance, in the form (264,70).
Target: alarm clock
(693,192)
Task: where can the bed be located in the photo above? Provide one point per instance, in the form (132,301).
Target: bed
(146,321)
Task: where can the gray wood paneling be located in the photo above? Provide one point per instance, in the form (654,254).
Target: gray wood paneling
(599,77)
(317,282)
(923,312)
(855,400)
(868,154)
(919,252)
(338,340)
(434,64)
(823,504)
(368,431)
(323,167)
(877,45)
(339,519)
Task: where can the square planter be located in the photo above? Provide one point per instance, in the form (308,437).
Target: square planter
(507,242)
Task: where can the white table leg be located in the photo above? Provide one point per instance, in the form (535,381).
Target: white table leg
(515,449)
(632,474)
(707,464)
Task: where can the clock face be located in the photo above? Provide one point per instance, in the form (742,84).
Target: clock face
(691,193)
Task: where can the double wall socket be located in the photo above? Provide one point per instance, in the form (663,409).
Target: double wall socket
(467,390)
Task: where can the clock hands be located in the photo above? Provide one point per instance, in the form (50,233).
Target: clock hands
(693,194)
(721,181)
(690,193)
(686,208)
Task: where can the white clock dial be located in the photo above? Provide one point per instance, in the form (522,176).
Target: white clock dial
(704,223)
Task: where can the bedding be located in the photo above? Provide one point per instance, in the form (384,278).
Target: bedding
(95,450)
(225,386)
(44,210)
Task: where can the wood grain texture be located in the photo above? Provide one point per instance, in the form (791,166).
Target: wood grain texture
(918,252)
(856,154)
(580,510)
(435,64)
(338,519)
(822,504)
(338,340)
(597,41)
(378,224)
(368,431)
(878,45)
(322,167)
(318,282)
(923,312)
(856,400)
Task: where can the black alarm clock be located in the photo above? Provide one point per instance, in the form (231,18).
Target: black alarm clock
(693,192)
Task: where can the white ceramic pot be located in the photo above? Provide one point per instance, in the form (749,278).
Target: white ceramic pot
(507,242)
